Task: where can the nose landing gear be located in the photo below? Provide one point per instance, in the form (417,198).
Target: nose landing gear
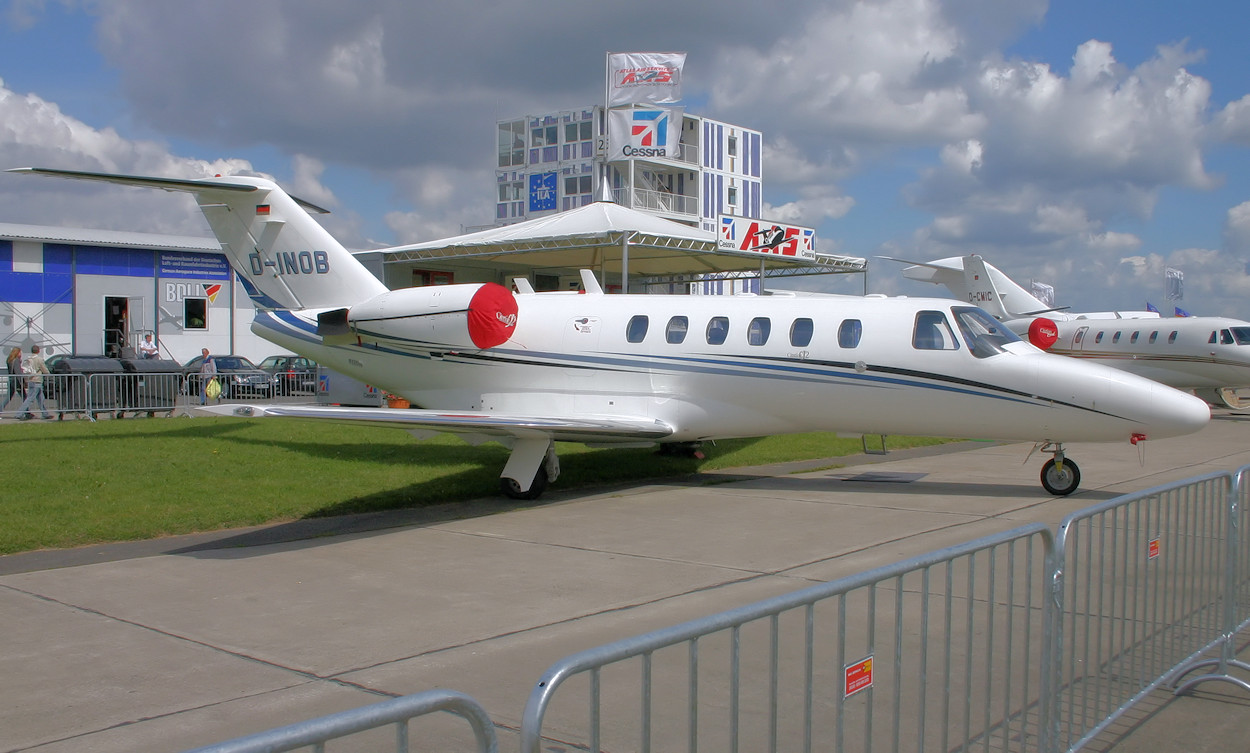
(1060,476)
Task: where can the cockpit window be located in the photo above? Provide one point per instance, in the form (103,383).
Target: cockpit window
(983,333)
(1226,337)
(933,332)
(1242,335)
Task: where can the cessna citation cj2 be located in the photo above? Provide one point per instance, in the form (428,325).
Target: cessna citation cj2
(529,369)
(1207,354)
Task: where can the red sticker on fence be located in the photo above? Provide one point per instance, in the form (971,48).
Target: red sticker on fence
(1152,549)
(857,677)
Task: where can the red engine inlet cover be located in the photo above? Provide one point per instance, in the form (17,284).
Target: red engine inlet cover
(1043,332)
(492,315)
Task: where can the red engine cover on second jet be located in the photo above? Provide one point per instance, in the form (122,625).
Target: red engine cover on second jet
(1043,333)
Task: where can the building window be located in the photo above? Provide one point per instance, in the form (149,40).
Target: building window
(733,146)
(577,186)
(195,313)
(512,144)
(849,333)
(574,132)
(758,329)
(675,333)
(717,330)
(733,196)
(543,136)
(801,333)
(637,329)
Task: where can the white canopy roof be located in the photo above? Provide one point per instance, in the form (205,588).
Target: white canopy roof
(602,232)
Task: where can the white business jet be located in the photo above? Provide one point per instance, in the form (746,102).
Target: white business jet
(529,369)
(1207,354)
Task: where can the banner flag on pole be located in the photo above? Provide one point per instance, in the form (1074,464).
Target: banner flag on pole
(1151,307)
(1174,284)
(644,132)
(1043,292)
(644,77)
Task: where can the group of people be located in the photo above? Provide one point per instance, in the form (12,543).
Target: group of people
(30,385)
(26,376)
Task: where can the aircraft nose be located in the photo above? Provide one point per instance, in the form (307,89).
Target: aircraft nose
(1173,413)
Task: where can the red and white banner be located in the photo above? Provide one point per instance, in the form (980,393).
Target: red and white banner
(744,235)
(644,77)
(646,132)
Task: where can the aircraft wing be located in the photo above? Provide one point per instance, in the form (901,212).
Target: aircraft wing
(470,424)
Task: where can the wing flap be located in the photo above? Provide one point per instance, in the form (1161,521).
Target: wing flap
(599,429)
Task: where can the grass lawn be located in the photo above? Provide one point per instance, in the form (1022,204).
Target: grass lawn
(74,483)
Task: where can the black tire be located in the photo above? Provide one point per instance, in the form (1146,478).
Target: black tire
(1061,483)
(512,489)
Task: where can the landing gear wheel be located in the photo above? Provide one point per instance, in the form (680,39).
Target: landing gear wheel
(512,489)
(1061,482)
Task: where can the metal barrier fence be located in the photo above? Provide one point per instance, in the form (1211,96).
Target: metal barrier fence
(396,713)
(118,394)
(1023,641)
(1142,588)
(943,652)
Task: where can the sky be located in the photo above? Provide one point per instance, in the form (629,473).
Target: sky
(1089,146)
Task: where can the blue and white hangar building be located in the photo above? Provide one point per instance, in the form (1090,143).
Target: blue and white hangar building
(83,291)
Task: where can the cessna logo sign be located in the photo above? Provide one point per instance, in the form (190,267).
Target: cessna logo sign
(645,132)
(742,235)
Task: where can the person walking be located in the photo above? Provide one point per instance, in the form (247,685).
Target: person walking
(208,372)
(17,381)
(37,370)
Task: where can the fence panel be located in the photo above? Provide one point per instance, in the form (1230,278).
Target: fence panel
(396,713)
(941,652)
(1142,589)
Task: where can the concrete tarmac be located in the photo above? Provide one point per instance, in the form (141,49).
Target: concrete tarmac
(172,644)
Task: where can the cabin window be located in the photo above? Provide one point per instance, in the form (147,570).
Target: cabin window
(984,335)
(849,333)
(1226,337)
(1133,338)
(801,333)
(933,332)
(1080,336)
(675,332)
(1154,336)
(758,329)
(637,329)
(1172,337)
(1098,338)
(1116,337)
(717,330)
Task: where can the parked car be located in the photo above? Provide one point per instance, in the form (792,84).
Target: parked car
(238,377)
(291,374)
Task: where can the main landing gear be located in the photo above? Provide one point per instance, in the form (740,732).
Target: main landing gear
(531,466)
(1060,476)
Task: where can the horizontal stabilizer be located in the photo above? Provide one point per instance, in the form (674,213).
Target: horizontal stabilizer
(167,184)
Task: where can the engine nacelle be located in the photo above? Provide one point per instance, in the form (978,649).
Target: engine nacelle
(1043,332)
(472,315)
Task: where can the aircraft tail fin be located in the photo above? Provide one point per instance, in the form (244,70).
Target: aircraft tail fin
(971,278)
(285,259)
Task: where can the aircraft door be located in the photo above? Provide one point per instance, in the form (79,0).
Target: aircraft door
(1078,339)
